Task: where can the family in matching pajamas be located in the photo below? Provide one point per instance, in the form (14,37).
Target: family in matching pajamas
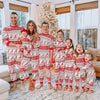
(74,67)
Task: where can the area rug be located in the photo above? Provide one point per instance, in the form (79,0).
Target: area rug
(46,94)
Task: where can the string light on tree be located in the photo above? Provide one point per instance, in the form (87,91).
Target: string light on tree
(48,15)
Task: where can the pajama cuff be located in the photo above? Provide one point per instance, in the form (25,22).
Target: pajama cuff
(66,85)
(51,48)
(41,82)
(33,80)
(53,61)
(70,86)
(83,87)
(14,81)
(7,44)
(56,84)
(87,88)
(21,79)
(60,84)
(49,82)
(27,78)
(76,87)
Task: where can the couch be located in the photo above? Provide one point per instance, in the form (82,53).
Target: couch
(4,72)
(4,90)
(96,60)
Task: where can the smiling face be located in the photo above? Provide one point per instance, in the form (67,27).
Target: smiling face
(45,28)
(87,57)
(60,36)
(13,19)
(79,48)
(68,43)
(31,27)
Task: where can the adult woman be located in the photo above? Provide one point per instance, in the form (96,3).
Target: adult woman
(32,32)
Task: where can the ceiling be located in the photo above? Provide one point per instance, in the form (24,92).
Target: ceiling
(40,1)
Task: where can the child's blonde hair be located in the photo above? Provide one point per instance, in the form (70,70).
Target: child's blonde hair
(88,53)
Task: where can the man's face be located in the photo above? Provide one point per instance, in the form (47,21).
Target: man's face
(45,28)
(13,19)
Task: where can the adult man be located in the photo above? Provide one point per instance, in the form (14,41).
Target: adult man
(11,36)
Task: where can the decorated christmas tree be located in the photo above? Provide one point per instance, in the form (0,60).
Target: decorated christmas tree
(48,15)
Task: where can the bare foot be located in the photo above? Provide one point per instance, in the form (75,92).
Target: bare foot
(86,90)
(22,88)
(13,88)
(65,88)
(70,89)
(41,85)
(31,88)
(76,90)
(60,88)
(33,85)
(90,91)
(55,88)
(50,86)
(82,90)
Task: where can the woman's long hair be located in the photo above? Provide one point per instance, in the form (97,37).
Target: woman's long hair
(76,50)
(34,33)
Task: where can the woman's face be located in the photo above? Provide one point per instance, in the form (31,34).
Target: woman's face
(30,27)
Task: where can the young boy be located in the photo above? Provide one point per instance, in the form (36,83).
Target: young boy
(45,54)
(58,59)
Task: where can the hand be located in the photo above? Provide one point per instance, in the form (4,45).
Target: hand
(18,46)
(25,48)
(21,38)
(50,60)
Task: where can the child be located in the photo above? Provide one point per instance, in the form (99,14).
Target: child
(69,63)
(90,72)
(45,54)
(79,71)
(58,59)
(25,50)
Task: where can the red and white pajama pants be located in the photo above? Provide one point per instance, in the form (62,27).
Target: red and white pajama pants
(13,60)
(34,64)
(59,73)
(23,69)
(80,79)
(69,72)
(90,81)
(44,63)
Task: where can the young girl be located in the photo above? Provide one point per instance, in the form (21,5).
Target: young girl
(58,59)
(26,56)
(69,63)
(79,69)
(90,72)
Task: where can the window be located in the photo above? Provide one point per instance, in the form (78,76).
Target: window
(64,23)
(87,27)
(88,37)
(22,17)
